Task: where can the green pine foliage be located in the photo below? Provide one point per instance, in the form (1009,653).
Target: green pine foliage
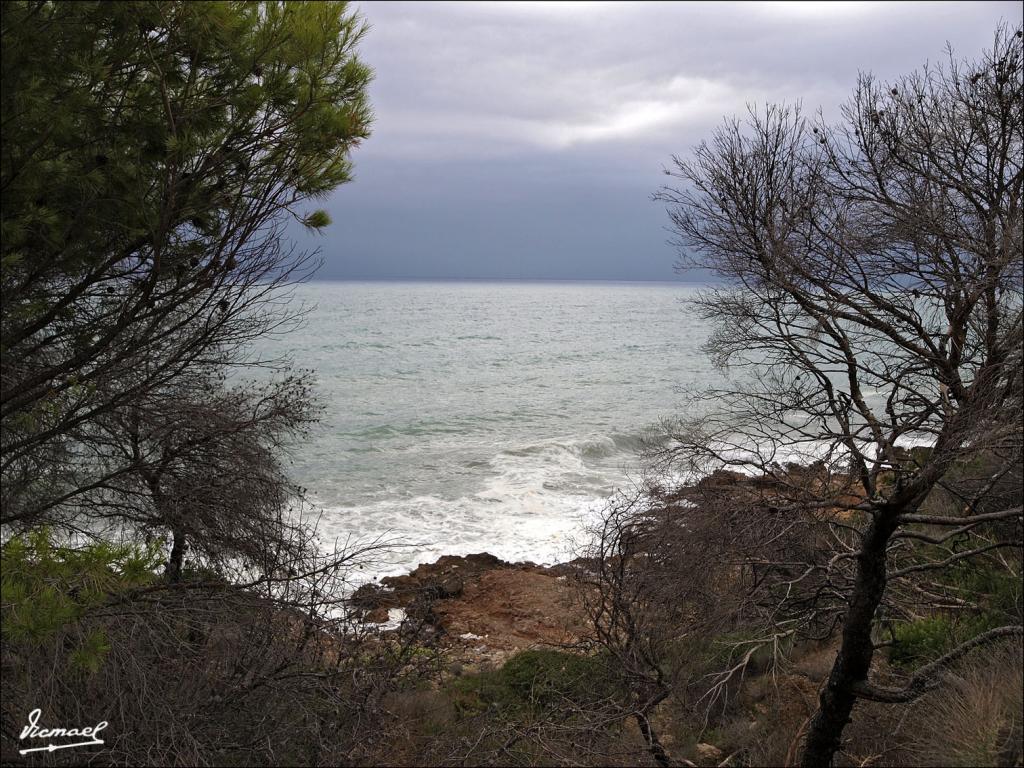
(46,586)
(125,123)
(152,155)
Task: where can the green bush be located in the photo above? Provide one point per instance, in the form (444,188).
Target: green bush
(919,642)
(997,592)
(538,680)
(542,678)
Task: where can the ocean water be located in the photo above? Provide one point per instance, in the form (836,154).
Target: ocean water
(467,417)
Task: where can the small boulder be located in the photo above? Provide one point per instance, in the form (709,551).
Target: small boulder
(709,753)
(450,586)
(377,616)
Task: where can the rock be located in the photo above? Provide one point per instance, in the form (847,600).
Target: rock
(370,597)
(709,753)
(449,587)
(481,608)
(377,615)
(514,608)
(721,478)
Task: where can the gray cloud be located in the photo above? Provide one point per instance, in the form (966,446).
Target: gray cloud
(524,140)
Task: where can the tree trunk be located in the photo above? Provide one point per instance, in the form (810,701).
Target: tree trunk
(177,555)
(653,745)
(853,662)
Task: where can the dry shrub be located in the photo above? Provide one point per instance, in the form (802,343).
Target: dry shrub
(974,718)
(426,726)
(212,677)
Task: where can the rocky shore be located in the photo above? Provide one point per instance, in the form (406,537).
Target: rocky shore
(480,608)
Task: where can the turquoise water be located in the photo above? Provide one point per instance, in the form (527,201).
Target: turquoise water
(465,417)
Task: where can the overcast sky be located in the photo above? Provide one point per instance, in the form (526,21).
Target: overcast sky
(524,140)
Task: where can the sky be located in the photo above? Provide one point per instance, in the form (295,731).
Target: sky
(520,140)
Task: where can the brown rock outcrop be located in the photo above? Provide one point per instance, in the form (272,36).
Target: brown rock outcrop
(484,609)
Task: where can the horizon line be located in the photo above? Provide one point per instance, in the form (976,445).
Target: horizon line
(315,279)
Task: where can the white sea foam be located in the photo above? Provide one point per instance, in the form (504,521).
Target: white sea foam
(470,417)
(535,504)
(533,507)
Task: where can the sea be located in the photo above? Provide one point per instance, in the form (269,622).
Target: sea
(500,417)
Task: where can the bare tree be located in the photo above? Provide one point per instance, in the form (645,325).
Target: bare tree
(871,317)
